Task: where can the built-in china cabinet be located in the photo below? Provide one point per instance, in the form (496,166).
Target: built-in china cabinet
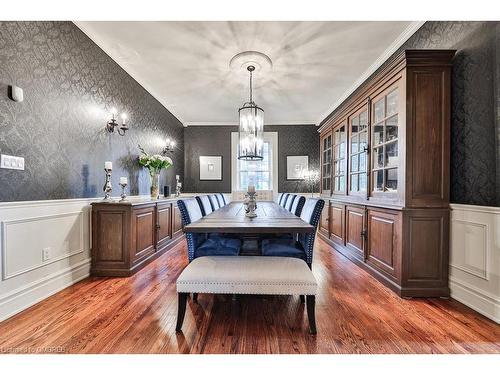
(385,161)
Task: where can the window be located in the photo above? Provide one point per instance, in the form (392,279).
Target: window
(258,173)
(263,174)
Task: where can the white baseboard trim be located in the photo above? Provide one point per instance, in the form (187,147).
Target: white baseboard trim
(29,295)
(475,299)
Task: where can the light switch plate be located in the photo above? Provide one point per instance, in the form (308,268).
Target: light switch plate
(11,162)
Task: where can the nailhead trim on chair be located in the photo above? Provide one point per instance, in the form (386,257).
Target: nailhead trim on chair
(185,221)
(300,206)
(309,237)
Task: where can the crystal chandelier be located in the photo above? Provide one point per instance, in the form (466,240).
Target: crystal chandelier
(251,128)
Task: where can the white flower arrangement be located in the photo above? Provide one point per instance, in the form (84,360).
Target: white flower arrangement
(154,163)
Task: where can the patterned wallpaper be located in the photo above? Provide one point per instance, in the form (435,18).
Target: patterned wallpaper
(475,120)
(216,140)
(69,85)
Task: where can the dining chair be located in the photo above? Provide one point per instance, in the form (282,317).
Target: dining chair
(214,201)
(222,199)
(205,205)
(284,199)
(200,244)
(303,246)
(278,199)
(297,205)
(289,202)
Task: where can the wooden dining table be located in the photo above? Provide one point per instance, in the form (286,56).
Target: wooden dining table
(271,218)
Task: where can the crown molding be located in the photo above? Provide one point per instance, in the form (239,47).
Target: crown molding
(145,86)
(400,40)
(234,123)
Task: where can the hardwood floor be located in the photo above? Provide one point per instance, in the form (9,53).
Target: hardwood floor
(354,312)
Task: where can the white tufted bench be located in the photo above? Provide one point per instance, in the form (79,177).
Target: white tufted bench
(247,275)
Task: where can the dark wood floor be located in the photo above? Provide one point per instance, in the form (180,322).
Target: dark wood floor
(355,314)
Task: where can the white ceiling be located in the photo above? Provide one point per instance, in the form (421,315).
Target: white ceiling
(185,65)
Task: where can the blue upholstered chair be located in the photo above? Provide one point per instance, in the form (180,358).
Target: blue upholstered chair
(290,201)
(302,247)
(297,205)
(222,199)
(205,205)
(199,244)
(284,199)
(278,198)
(214,201)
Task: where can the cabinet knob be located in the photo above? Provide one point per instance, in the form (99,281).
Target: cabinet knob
(157,226)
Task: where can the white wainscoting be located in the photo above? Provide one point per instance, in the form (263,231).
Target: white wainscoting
(475,258)
(27,228)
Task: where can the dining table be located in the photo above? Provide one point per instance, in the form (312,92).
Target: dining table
(271,218)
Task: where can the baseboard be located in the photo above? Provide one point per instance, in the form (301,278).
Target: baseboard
(475,299)
(29,295)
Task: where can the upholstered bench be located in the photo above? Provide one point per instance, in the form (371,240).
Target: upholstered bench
(247,275)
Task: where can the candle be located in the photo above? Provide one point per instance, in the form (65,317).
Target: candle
(251,188)
(124,118)
(123,181)
(108,165)
(177,177)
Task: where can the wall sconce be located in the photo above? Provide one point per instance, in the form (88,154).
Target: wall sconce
(112,124)
(169,148)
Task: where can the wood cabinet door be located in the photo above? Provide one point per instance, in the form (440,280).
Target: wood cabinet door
(355,231)
(143,233)
(326,163)
(176,221)
(384,238)
(337,223)
(163,225)
(324,223)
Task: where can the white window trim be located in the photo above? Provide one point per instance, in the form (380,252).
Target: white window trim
(271,137)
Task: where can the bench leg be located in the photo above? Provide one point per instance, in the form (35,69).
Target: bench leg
(181,310)
(195,297)
(311,301)
(302,299)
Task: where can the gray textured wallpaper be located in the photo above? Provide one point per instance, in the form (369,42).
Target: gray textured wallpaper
(475,120)
(69,85)
(216,140)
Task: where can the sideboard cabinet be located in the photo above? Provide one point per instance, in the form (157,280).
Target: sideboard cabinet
(385,173)
(128,235)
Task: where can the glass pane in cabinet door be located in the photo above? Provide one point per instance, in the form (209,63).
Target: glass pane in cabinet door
(336,137)
(342,150)
(341,167)
(363,120)
(391,128)
(336,167)
(342,133)
(391,179)
(378,157)
(378,180)
(363,141)
(337,152)
(354,182)
(354,144)
(392,103)
(354,125)
(378,110)
(362,182)
(354,163)
(391,154)
(362,162)
(342,183)
(378,134)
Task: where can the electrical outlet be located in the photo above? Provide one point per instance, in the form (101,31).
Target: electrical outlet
(45,254)
(11,162)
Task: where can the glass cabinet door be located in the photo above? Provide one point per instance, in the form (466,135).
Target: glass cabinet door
(326,160)
(358,152)
(339,156)
(385,158)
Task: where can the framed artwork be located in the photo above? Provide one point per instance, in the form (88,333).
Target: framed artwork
(296,166)
(211,168)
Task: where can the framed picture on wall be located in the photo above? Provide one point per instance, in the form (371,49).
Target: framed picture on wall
(211,168)
(296,166)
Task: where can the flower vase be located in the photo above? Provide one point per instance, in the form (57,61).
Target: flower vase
(155,185)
